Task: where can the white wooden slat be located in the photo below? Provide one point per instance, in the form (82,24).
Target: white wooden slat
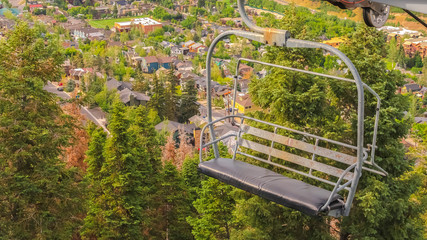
(295,159)
(307,147)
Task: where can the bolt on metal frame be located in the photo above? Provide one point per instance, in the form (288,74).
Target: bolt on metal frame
(275,37)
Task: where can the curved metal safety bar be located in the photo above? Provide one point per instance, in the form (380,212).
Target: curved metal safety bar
(337,186)
(377,112)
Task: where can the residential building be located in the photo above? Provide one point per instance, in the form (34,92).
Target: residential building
(35,6)
(184,66)
(245,69)
(173,127)
(398,32)
(244,104)
(188,43)
(91,33)
(69,44)
(128,10)
(195,47)
(6,23)
(78,73)
(99,11)
(334,42)
(113,84)
(73,24)
(152,63)
(166,44)
(413,46)
(176,51)
(146,25)
(132,98)
(411,88)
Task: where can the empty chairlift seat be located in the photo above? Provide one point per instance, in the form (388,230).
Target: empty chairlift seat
(275,187)
(307,156)
(287,150)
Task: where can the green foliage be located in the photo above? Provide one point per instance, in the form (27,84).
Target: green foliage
(174,205)
(39,11)
(79,10)
(318,24)
(104,99)
(396,215)
(161,13)
(158,98)
(191,177)
(40,198)
(188,106)
(60,18)
(70,86)
(171,95)
(127,178)
(190,22)
(214,206)
(95,160)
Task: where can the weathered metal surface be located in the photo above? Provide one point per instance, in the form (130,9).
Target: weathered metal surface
(307,147)
(281,38)
(275,37)
(295,159)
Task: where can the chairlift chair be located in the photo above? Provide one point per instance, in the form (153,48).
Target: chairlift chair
(301,195)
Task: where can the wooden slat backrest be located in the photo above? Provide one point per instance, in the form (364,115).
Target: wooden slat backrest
(307,147)
(337,172)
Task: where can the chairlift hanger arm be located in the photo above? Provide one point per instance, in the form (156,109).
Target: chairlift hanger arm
(375,13)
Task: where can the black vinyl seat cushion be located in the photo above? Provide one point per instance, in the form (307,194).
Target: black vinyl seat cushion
(267,184)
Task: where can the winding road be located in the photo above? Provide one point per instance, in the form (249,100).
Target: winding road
(83,110)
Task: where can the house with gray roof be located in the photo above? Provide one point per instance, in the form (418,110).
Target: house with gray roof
(113,84)
(173,127)
(132,98)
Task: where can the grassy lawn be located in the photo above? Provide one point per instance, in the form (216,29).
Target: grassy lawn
(110,22)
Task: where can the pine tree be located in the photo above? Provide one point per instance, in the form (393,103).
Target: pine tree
(185,149)
(215,206)
(171,95)
(40,198)
(390,197)
(122,206)
(169,150)
(75,153)
(158,98)
(95,160)
(175,205)
(145,150)
(188,106)
(191,177)
(120,212)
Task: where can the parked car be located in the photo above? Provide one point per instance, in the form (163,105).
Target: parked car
(60,89)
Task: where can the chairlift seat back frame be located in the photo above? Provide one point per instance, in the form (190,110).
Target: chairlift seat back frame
(293,193)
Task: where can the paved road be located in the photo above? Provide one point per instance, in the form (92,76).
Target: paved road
(52,88)
(83,110)
(216,114)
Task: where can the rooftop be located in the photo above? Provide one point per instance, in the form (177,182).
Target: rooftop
(142,21)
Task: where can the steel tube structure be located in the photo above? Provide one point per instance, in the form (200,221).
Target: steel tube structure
(277,37)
